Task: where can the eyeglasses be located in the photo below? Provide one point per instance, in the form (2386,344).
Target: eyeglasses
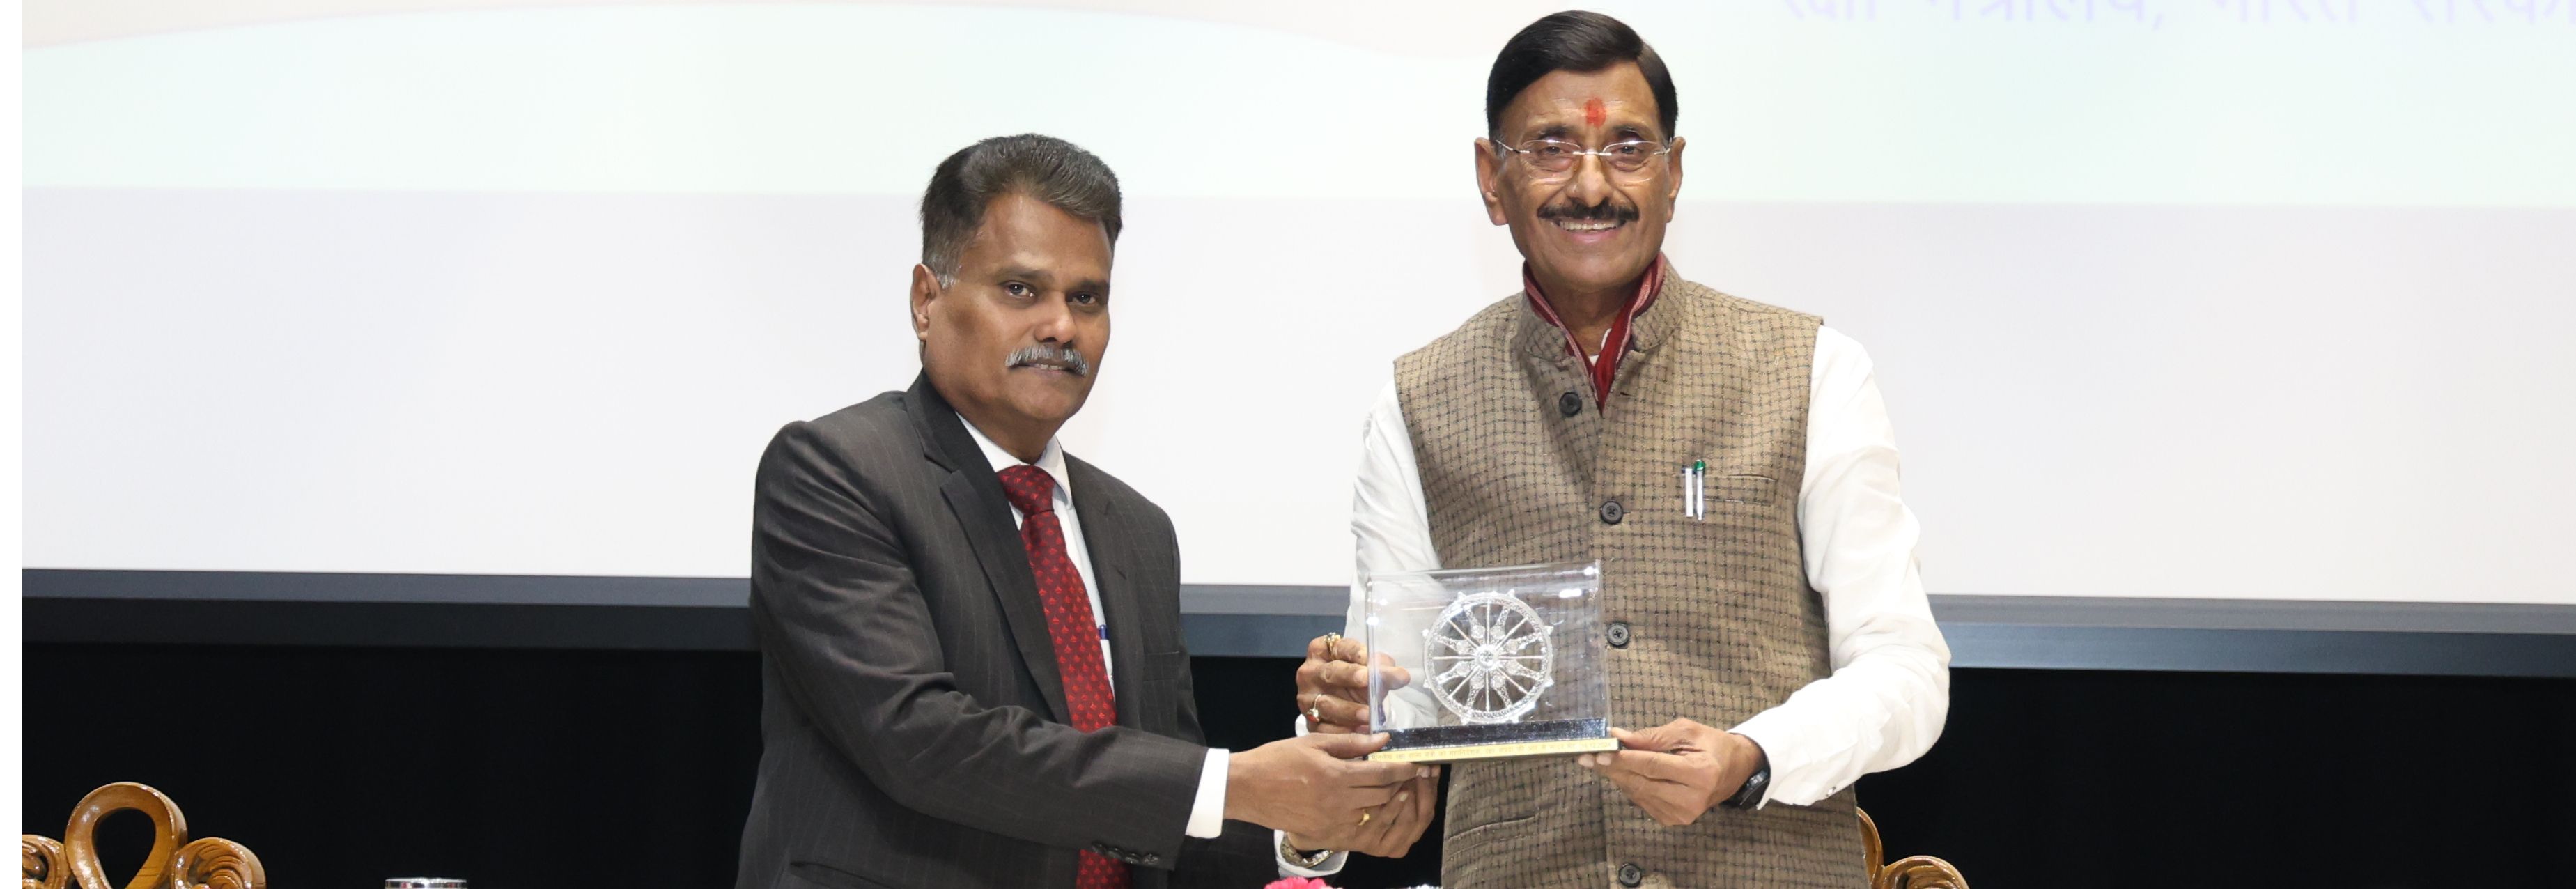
(1553,158)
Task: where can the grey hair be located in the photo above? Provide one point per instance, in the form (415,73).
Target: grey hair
(1043,167)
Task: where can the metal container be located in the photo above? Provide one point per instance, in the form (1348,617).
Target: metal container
(424,883)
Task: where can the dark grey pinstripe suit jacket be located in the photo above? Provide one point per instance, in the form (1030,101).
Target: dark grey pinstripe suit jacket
(913,723)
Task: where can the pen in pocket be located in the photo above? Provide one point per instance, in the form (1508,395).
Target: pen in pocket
(1695,491)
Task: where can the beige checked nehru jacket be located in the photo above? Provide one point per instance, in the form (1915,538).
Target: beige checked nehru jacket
(1722,622)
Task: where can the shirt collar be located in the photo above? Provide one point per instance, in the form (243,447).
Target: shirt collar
(1051,459)
(1624,335)
(1649,286)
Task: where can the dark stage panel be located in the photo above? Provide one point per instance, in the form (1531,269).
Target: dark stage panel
(534,768)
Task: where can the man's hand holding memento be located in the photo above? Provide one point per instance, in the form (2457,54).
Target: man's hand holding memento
(1391,830)
(1316,785)
(1677,770)
(1332,685)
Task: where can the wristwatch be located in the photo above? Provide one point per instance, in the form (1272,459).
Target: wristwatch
(1301,857)
(1754,784)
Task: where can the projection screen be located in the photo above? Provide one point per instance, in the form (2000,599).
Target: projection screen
(2173,298)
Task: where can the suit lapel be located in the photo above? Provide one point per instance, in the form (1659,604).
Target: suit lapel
(1105,534)
(984,514)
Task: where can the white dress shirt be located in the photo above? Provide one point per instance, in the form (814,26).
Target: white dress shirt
(1890,690)
(1207,810)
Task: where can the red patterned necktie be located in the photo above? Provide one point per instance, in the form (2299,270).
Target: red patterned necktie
(1070,627)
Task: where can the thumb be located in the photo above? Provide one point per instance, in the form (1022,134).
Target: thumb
(1347,746)
(1657,738)
(1396,677)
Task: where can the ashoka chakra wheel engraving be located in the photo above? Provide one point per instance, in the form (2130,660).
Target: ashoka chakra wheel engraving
(1490,658)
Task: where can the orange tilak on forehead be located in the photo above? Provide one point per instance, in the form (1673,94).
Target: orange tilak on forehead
(1593,113)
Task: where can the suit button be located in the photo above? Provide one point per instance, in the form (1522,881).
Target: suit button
(1630,875)
(1619,635)
(1612,512)
(1569,404)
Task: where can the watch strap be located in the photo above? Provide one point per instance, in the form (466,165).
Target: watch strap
(1755,785)
(1303,858)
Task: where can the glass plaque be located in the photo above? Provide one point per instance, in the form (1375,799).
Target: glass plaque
(1487,663)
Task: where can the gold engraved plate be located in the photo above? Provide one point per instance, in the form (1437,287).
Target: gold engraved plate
(1497,751)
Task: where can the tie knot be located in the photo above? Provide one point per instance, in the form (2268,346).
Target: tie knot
(1030,488)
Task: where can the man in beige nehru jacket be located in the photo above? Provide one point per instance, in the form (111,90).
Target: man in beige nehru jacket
(1779,643)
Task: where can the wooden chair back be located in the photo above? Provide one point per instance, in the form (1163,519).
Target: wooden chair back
(174,863)
(1918,872)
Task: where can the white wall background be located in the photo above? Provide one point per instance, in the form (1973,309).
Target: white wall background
(2187,303)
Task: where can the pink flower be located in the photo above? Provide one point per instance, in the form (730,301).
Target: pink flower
(1298,883)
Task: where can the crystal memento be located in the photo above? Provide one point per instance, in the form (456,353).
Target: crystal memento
(1487,663)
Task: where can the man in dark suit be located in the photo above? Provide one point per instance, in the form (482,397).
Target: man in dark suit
(970,641)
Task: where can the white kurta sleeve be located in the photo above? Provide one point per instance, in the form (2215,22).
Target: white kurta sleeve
(1889,693)
(1390,525)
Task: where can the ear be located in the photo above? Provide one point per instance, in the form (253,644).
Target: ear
(1673,163)
(1489,168)
(925,287)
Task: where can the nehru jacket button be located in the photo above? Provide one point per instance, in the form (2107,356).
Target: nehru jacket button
(1612,512)
(1630,875)
(1619,635)
(1569,404)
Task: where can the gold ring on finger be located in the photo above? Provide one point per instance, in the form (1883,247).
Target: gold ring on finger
(1364,814)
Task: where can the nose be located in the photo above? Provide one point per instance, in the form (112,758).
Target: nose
(1590,182)
(1053,321)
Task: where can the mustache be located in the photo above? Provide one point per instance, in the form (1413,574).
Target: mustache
(1611,209)
(1036,354)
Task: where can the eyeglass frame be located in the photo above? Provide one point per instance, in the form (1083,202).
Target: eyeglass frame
(1665,147)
